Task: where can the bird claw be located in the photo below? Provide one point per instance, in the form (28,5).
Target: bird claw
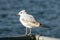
(28,34)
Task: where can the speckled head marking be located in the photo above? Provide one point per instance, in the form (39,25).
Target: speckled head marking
(22,12)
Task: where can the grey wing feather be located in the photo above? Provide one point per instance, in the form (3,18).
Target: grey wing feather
(30,18)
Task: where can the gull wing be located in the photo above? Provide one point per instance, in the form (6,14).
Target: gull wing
(28,18)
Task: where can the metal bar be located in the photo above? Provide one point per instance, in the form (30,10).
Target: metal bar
(47,38)
(28,37)
(23,37)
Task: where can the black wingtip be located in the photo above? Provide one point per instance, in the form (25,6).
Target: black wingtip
(40,24)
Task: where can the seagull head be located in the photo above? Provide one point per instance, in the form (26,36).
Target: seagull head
(22,12)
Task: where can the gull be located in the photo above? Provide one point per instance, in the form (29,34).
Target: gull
(28,20)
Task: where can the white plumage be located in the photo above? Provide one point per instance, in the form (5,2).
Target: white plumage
(28,20)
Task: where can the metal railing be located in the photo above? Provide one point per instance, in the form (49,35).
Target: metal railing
(28,37)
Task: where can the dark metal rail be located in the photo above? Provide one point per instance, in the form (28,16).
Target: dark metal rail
(24,37)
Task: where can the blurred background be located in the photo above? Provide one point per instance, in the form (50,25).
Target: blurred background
(45,11)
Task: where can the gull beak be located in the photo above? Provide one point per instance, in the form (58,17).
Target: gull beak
(17,14)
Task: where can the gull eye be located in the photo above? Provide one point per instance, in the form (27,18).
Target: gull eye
(21,12)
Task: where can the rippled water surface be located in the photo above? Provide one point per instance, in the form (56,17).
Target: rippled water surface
(45,11)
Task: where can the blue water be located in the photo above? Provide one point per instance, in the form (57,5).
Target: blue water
(45,11)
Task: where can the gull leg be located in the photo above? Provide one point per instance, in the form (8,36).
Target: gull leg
(30,31)
(26,30)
